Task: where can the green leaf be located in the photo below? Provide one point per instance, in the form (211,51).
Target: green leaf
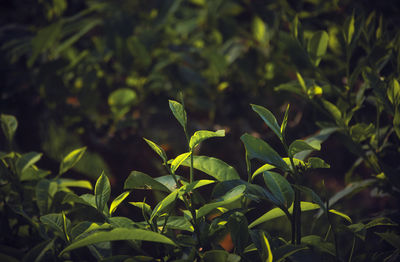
(123,222)
(266,248)
(283,252)
(27,160)
(317,46)
(316,162)
(350,189)
(279,187)
(396,122)
(349,29)
(333,110)
(119,234)
(213,167)
(277,212)
(285,120)
(267,167)
(202,135)
(164,204)
(71,159)
(301,145)
(393,92)
(343,215)
(9,125)
(220,256)
(142,205)
(391,237)
(176,222)
(361,131)
(179,112)
(315,198)
(179,160)
(320,136)
(121,101)
(8,258)
(259,29)
(117,201)
(139,180)
(319,243)
(64,183)
(44,191)
(102,192)
(157,149)
(268,118)
(58,223)
(230,197)
(238,227)
(257,148)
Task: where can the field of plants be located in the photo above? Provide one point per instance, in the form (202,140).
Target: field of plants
(194,130)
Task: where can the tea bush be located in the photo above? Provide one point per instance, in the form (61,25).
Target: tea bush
(44,218)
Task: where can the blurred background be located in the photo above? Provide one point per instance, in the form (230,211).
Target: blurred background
(99,74)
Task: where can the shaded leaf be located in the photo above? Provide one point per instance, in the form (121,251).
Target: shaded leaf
(9,125)
(316,162)
(121,101)
(257,148)
(267,167)
(317,46)
(27,160)
(277,212)
(280,188)
(139,180)
(119,234)
(268,118)
(319,243)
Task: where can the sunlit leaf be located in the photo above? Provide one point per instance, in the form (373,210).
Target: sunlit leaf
(121,101)
(179,112)
(71,159)
(102,192)
(157,149)
(117,201)
(202,135)
(213,167)
(179,160)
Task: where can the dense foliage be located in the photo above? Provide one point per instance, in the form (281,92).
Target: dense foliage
(88,79)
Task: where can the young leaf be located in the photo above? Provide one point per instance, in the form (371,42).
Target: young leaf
(277,212)
(65,183)
(71,159)
(266,248)
(179,112)
(119,234)
(139,180)
(27,160)
(163,204)
(213,167)
(117,201)
(9,125)
(178,161)
(157,149)
(202,135)
(349,29)
(343,215)
(301,145)
(102,192)
(259,30)
(285,120)
(257,148)
(279,187)
(333,110)
(317,46)
(267,167)
(393,92)
(268,118)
